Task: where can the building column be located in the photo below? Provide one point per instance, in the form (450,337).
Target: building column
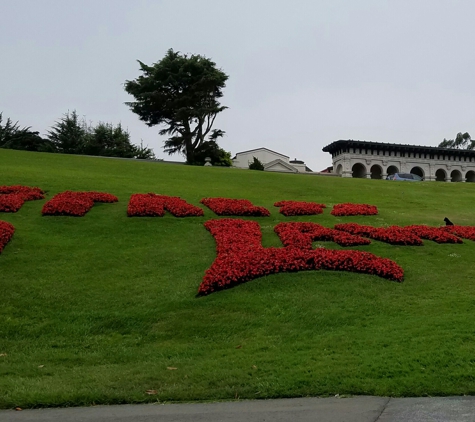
(347,172)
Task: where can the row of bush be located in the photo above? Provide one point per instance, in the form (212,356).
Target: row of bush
(73,135)
(12,198)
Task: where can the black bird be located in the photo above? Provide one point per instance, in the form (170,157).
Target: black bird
(448,222)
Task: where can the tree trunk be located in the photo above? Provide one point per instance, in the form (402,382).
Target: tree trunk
(190,151)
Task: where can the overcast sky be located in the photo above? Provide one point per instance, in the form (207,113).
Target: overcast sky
(302,73)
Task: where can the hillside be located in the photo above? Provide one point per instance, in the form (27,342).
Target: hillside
(103,308)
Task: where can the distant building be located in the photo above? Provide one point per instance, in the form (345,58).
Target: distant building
(272,161)
(375,160)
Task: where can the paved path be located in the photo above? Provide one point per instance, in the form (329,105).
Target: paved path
(355,409)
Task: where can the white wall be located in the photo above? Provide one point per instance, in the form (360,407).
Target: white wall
(243,159)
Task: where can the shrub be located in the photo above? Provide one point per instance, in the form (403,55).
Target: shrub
(256,164)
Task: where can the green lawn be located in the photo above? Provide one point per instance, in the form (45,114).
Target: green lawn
(96,309)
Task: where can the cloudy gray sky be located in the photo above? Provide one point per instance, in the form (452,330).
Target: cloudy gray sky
(303,73)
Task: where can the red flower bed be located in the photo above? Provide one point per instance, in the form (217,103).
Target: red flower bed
(27,193)
(291,208)
(11,202)
(241,207)
(145,205)
(396,235)
(180,208)
(436,234)
(466,232)
(75,204)
(6,233)
(353,209)
(241,257)
(152,205)
(12,198)
(301,235)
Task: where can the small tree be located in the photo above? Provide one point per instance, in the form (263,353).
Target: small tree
(144,153)
(69,133)
(182,94)
(256,164)
(461,141)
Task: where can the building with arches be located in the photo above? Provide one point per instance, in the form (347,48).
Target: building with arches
(375,160)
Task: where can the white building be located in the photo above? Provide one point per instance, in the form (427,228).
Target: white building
(376,160)
(272,161)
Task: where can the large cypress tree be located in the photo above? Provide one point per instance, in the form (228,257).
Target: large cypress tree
(180,93)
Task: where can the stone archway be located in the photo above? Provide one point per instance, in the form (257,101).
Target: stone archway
(339,169)
(470,176)
(456,176)
(359,171)
(376,172)
(418,171)
(392,170)
(440,175)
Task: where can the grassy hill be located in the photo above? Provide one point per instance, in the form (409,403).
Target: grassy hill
(102,308)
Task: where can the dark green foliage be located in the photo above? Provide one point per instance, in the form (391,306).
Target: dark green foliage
(72,135)
(14,137)
(109,141)
(144,153)
(461,141)
(219,157)
(69,133)
(181,93)
(256,164)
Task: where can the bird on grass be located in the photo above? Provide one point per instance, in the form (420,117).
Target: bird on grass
(448,222)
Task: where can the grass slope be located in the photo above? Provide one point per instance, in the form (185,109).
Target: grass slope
(96,309)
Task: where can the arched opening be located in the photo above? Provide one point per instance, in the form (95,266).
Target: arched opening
(456,176)
(440,175)
(470,176)
(418,171)
(392,170)
(339,169)
(376,172)
(359,171)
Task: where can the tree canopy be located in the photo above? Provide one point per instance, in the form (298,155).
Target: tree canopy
(461,141)
(180,93)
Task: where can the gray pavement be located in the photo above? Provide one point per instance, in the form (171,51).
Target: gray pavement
(354,409)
